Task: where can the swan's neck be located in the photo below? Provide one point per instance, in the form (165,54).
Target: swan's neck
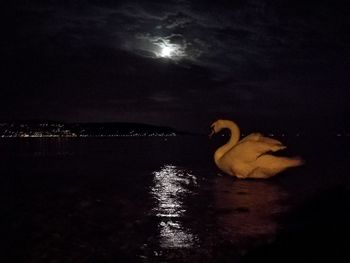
(234,138)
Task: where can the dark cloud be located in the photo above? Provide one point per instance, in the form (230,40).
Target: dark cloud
(244,32)
(99,60)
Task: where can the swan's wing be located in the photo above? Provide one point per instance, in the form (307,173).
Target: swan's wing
(241,152)
(249,150)
(270,141)
(252,137)
(258,137)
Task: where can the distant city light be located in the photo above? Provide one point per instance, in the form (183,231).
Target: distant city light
(44,130)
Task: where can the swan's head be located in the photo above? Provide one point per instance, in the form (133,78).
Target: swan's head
(216,127)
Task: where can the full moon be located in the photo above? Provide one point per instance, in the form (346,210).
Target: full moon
(166,52)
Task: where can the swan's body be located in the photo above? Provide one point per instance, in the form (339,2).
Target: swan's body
(248,158)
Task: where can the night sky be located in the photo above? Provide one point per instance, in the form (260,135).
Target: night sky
(261,63)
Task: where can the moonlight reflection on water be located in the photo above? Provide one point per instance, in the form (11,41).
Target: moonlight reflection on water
(170,188)
(241,209)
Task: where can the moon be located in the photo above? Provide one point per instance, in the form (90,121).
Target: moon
(166,51)
(170,51)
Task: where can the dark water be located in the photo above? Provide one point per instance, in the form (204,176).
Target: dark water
(161,200)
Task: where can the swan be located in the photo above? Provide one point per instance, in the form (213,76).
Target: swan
(249,157)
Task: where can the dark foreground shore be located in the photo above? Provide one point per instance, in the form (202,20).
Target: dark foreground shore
(156,200)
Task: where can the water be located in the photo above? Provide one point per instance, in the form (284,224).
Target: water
(153,199)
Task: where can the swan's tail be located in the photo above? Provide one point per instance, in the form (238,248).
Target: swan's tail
(295,161)
(276,162)
(270,165)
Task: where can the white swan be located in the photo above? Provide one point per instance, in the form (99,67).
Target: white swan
(248,158)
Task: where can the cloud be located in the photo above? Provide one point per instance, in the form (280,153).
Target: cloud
(224,36)
(230,55)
